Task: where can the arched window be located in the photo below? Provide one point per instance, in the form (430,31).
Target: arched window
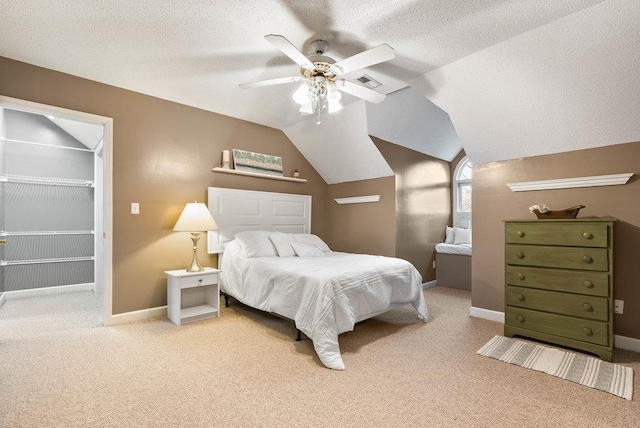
(462,193)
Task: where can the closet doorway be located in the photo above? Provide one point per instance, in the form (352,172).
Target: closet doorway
(55,220)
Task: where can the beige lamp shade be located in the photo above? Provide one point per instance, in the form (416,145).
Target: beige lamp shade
(195,218)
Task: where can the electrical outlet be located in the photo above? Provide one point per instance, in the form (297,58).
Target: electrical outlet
(434,264)
(135,208)
(619,306)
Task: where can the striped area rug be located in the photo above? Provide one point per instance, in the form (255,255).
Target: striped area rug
(589,371)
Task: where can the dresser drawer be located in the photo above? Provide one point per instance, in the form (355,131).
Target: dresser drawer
(559,325)
(198,280)
(579,234)
(558,257)
(590,283)
(577,305)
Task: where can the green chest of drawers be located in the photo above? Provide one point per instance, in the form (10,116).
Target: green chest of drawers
(559,282)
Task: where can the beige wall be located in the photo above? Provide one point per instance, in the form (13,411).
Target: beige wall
(493,202)
(423,204)
(163,153)
(368,228)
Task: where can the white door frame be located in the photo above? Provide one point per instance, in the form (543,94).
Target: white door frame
(106,180)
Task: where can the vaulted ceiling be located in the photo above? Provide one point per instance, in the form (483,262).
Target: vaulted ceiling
(500,78)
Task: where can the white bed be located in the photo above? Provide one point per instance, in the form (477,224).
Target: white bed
(325,293)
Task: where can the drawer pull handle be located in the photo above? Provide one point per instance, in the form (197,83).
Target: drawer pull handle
(587,331)
(520,255)
(520,276)
(520,318)
(587,259)
(587,307)
(520,234)
(200,280)
(587,235)
(520,297)
(588,284)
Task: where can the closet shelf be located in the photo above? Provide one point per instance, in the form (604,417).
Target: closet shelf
(25,179)
(257,174)
(48,233)
(41,261)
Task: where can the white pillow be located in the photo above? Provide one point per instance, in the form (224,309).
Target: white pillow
(256,243)
(282,242)
(461,236)
(448,235)
(303,249)
(308,238)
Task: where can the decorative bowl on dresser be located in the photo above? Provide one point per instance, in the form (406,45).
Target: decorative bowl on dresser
(559,282)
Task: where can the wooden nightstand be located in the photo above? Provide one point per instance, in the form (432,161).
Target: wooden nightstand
(192,296)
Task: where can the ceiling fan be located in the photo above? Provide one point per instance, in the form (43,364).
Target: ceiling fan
(322,84)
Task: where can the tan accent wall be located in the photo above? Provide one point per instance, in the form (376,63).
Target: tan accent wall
(163,153)
(493,202)
(423,204)
(367,228)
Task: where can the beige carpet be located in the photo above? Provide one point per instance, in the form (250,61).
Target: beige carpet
(245,370)
(43,315)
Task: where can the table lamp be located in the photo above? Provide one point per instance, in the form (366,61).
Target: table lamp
(195,218)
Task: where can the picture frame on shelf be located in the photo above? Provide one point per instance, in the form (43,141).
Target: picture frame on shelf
(257,162)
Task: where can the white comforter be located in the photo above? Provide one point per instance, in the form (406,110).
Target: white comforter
(325,296)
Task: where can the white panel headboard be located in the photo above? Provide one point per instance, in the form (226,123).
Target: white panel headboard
(239,210)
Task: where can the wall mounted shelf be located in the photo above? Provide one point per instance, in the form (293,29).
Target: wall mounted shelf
(258,175)
(48,233)
(25,179)
(571,183)
(40,261)
(358,199)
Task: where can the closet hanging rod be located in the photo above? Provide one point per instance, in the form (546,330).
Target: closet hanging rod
(47,233)
(25,179)
(41,261)
(80,149)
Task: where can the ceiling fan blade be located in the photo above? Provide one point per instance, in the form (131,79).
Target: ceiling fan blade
(361,92)
(278,81)
(289,50)
(364,59)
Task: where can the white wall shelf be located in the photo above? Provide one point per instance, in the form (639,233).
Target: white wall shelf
(48,233)
(358,199)
(41,261)
(25,179)
(257,174)
(571,183)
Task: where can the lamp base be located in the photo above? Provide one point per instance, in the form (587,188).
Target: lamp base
(195,266)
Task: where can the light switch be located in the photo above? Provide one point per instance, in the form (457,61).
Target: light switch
(135,208)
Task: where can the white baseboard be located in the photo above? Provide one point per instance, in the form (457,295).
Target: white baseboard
(486,314)
(628,343)
(48,291)
(429,284)
(622,342)
(141,315)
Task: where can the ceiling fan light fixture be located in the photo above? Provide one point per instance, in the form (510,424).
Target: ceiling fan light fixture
(301,95)
(334,106)
(308,108)
(323,85)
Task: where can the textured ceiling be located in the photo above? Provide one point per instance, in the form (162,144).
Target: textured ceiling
(198,52)
(569,85)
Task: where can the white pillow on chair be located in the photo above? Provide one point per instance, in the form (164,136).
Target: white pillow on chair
(462,236)
(448,235)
